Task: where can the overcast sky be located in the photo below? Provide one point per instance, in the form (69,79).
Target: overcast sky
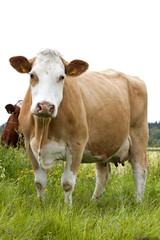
(120,34)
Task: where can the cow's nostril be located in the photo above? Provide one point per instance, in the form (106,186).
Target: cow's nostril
(51,109)
(39,107)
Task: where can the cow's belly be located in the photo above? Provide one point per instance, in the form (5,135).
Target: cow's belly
(122,153)
(88,157)
(49,154)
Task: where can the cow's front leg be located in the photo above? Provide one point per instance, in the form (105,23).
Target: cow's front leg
(68,180)
(40,181)
(39,173)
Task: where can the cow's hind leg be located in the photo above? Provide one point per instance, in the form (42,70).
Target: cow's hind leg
(102,175)
(138,159)
(140,169)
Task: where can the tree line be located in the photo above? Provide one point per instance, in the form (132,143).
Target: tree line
(1,128)
(154,134)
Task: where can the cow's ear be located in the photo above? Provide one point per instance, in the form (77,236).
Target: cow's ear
(75,68)
(21,64)
(9,108)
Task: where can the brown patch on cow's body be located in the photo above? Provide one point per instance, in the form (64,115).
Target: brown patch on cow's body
(108,120)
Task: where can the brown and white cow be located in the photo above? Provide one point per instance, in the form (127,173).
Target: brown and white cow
(79,117)
(10,134)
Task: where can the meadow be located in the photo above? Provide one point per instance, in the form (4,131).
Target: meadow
(116,215)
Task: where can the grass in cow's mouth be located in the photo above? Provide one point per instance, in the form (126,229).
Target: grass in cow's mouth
(116,215)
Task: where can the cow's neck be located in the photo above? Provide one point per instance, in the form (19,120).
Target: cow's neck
(45,148)
(41,131)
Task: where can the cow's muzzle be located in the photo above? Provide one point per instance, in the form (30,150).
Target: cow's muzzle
(44,110)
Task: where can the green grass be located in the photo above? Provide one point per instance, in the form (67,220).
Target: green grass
(116,215)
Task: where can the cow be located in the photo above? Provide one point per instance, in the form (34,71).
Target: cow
(82,116)
(10,134)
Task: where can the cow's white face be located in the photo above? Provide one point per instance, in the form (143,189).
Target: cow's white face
(47,73)
(47,80)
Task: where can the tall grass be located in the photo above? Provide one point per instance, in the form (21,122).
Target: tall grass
(116,215)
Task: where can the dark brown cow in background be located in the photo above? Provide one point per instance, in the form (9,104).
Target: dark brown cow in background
(10,135)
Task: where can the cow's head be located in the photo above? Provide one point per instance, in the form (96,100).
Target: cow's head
(13,109)
(47,75)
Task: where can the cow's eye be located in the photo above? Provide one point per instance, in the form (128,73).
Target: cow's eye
(32,75)
(33,79)
(61,78)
